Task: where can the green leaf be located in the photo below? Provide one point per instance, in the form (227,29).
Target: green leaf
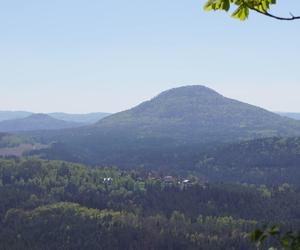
(285,242)
(274,230)
(256,235)
(208,6)
(241,13)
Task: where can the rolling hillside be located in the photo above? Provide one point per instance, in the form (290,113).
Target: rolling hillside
(86,119)
(197,113)
(186,118)
(35,122)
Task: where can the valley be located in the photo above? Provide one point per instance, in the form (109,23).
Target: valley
(188,169)
(68,203)
(149,125)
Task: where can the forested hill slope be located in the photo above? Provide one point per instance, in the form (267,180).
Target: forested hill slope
(262,161)
(131,210)
(186,116)
(35,122)
(197,113)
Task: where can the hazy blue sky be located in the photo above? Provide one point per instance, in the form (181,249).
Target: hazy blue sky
(95,55)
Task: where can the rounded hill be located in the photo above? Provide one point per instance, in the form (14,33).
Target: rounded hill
(196,113)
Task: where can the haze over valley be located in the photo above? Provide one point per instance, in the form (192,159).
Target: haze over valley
(189,152)
(149,125)
(183,130)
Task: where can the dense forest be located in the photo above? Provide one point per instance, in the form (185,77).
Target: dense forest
(194,170)
(270,161)
(13,140)
(60,205)
(189,119)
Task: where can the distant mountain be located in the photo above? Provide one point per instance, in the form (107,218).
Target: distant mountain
(85,119)
(177,118)
(89,118)
(35,122)
(11,115)
(197,113)
(295,116)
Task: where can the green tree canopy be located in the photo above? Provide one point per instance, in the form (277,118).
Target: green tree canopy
(243,7)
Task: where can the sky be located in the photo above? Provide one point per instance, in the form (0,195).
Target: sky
(82,56)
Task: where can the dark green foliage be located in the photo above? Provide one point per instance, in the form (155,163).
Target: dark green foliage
(59,205)
(70,226)
(273,236)
(11,140)
(271,161)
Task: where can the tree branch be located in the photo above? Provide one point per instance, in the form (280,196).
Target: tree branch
(266,13)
